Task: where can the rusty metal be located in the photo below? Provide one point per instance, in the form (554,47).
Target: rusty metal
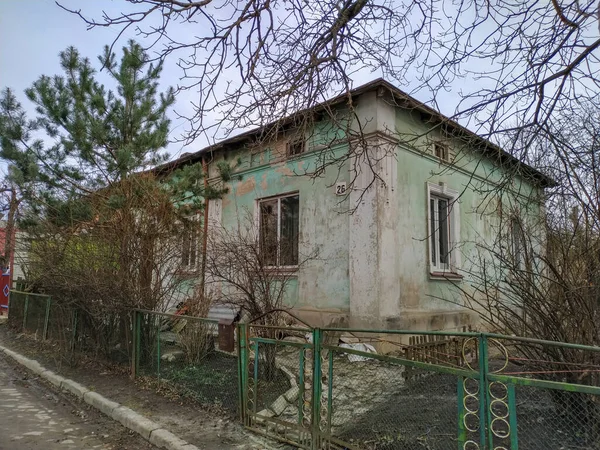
(226,335)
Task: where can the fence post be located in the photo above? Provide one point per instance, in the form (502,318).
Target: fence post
(316,398)
(156,318)
(46,319)
(134,339)
(242,369)
(74,331)
(512,417)
(484,413)
(25,311)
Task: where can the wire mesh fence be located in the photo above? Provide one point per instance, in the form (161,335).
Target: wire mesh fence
(350,389)
(17,303)
(277,370)
(181,352)
(405,390)
(109,335)
(37,311)
(543,395)
(392,391)
(61,325)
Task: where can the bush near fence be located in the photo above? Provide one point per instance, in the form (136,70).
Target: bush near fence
(159,345)
(181,351)
(309,387)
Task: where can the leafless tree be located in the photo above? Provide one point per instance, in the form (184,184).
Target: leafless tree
(240,270)
(122,249)
(243,271)
(540,275)
(514,65)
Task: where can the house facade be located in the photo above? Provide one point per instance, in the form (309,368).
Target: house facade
(384,231)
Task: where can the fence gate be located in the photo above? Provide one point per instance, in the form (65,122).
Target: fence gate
(277,368)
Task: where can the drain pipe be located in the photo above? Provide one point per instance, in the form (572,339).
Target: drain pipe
(205,228)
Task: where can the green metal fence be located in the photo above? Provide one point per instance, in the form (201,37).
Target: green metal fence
(74,329)
(381,389)
(353,389)
(181,352)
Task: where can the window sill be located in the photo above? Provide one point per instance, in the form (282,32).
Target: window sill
(188,273)
(282,270)
(451,276)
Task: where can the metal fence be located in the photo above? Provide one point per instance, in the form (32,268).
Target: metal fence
(181,352)
(73,328)
(355,389)
(381,389)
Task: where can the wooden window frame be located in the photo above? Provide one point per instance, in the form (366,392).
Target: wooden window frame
(278,198)
(441,151)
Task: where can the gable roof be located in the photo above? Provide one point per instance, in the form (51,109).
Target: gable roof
(481,144)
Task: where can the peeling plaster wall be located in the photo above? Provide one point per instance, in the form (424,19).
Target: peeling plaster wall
(373,244)
(319,292)
(372,268)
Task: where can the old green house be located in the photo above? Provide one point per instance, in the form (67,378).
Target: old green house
(390,196)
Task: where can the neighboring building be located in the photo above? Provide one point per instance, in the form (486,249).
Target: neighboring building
(9,272)
(393,252)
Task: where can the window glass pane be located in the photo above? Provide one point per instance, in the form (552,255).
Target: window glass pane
(295,147)
(518,242)
(443,230)
(268,232)
(289,231)
(433,229)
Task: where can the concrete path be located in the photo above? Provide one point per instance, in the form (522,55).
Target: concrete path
(34,417)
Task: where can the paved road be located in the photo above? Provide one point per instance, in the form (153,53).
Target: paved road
(33,416)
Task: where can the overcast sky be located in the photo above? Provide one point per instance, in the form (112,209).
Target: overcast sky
(32,33)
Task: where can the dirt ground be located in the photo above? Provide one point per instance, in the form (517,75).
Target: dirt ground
(212,428)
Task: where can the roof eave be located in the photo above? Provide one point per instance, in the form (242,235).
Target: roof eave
(486,146)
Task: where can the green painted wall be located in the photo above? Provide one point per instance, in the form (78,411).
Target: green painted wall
(326,228)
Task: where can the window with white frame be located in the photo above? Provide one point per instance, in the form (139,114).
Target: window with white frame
(189,243)
(444,228)
(279,230)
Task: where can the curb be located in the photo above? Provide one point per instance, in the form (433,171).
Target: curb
(149,430)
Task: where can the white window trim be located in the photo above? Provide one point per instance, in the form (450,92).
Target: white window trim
(442,190)
(257,220)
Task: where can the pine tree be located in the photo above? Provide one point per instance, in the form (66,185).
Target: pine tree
(100,135)
(106,230)
(16,146)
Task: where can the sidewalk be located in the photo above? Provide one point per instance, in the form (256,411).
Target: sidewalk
(34,415)
(183,417)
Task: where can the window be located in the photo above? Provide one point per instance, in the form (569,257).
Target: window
(295,147)
(279,230)
(189,243)
(440,235)
(443,228)
(517,243)
(441,151)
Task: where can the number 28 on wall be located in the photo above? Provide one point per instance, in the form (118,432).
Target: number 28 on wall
(340,188)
